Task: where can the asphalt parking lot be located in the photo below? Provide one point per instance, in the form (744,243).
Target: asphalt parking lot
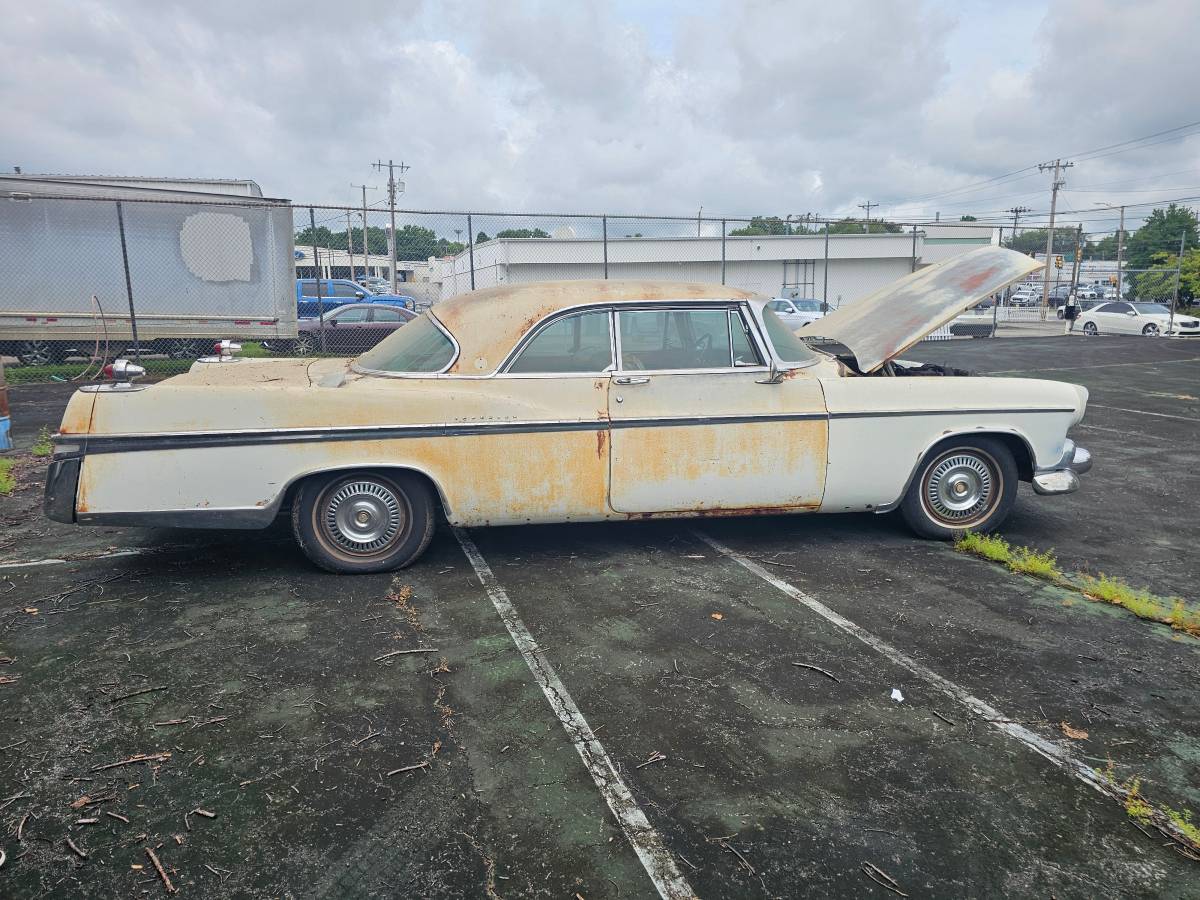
(613,710)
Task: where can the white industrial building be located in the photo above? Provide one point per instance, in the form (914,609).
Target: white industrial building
(839,269)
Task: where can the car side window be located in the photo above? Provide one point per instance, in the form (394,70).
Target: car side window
(744,351)
(780,306)
(675,339)
(309,289)
(352,314)
(346,290)
(387,314)
(577,343)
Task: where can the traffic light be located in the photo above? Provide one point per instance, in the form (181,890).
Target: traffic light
(1058,262)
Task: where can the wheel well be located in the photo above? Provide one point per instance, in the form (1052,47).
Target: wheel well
(1016,445)
(289,493)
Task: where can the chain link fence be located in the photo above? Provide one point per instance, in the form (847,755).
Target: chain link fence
(92,273)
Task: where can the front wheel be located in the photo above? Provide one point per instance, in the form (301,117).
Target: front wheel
(364,521)
(304,345)
(964,484)
(1151,330)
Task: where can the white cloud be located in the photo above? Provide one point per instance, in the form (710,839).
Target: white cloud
(742,107)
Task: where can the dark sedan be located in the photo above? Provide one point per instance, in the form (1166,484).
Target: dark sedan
(349,329)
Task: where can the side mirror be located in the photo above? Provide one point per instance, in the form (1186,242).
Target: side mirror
(333,321)
(1131,313)
(359,294)
(824,307)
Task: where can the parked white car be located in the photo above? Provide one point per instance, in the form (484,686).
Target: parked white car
(1026,295)
(1150,319)
(579,401)
(798,312)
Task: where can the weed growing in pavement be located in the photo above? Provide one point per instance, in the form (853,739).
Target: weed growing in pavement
(1143,604)
(7,481)
(1167,610)
(1173,823)
(1020,559)
(42,446)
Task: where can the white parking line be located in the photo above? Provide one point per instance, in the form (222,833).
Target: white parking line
(1055,753)
(54,561)
(646,842)
(1144,412)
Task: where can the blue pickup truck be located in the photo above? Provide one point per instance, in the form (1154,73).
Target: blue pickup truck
(336,292)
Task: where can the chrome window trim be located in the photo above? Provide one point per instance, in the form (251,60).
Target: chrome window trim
(363,370)
(780,363)
(554,318)
(731,305)
(757,335)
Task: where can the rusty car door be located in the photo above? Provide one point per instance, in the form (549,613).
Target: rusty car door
(694,426)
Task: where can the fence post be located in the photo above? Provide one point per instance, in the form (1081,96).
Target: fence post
(913,267)
(471,249)
(825,294)
(312,226)
(722,251)
(137,345)
(604,227)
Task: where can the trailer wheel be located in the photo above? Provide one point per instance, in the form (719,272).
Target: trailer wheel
(40,353)
(183,348)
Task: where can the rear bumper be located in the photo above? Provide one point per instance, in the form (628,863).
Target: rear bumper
(62,483)
(1063,476)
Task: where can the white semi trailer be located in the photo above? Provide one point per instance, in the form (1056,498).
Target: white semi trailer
(182,266)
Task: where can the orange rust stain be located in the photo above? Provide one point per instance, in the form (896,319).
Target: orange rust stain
(601,443)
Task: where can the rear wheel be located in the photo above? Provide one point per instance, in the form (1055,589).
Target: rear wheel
(363,521)
(1090,328)
(183,348)
(965,484)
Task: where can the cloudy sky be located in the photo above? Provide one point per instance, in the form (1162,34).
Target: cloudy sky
(739,106)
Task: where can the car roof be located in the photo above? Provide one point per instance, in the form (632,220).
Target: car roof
(488,323)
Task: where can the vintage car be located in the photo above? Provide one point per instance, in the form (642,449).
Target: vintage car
(579,401)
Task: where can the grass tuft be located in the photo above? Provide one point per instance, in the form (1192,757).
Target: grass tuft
(1044,565)
(1039,564)
(42,446)
(7,481)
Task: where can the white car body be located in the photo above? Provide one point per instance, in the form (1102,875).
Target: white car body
(777,428)
(798,312)
(1149,319)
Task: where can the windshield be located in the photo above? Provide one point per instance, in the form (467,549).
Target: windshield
(788,347)
(808,305)
(419,347)
(1151,309)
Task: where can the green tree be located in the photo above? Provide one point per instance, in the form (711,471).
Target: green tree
(967,219)
(858,226)
(1034,241)
(1160,233)
(522,233)
(762,225)
(482,238)
(1105,248)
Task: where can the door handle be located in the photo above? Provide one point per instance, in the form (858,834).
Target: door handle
(632,379)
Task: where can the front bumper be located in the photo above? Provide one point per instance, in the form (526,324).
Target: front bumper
(1063,476)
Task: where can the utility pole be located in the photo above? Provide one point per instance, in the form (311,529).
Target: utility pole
(698,215)
(1057,182)
(392,189)
(1178,278)
(350,247)
(1017,212)
(1120,248)
(366,248)
(867,206)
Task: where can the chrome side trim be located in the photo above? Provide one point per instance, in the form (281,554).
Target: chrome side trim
(176,440)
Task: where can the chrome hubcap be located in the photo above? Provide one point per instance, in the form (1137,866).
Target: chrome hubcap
(363,517)
(959,488)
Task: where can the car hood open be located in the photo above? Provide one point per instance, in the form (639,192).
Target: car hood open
(884,324)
